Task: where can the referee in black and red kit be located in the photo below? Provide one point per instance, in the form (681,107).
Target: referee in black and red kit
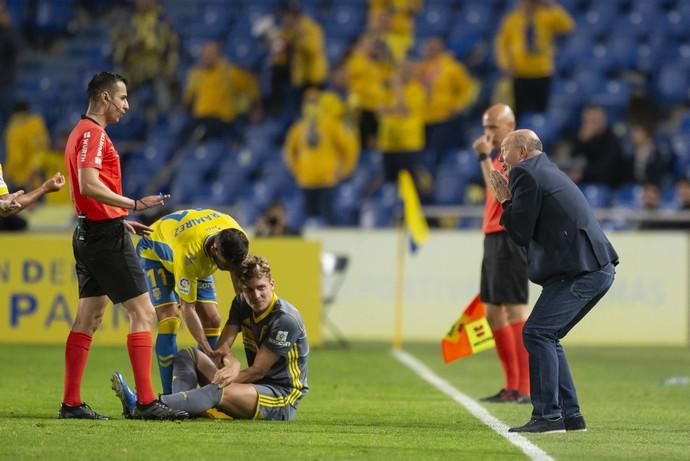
(107,266)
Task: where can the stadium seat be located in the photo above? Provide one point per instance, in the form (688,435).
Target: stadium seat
(434,20)
(597,195)
(52,17)
(463,164)
(627,196)
(622,51)
(376,213)
(448,188)
(346,202)
(672,83)
(540,124)
(344,20)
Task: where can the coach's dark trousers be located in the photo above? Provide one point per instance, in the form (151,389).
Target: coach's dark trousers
(561,305)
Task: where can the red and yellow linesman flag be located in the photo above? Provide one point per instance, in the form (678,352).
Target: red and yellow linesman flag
(414,217)
(469,334)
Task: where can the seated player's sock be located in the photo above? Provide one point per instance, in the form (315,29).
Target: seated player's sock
(184,371)
(522,358)
(76,352)
(505,348)
(195,401)
(140,348)
(166,348)
(212,335)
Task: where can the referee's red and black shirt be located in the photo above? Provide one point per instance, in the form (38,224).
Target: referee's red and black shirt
(89,146)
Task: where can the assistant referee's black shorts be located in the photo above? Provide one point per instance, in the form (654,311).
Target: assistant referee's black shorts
(106,261)
(504,271)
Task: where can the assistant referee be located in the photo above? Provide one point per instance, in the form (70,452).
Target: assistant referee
(107,266)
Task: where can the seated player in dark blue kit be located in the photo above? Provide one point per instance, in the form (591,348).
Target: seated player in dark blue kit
(275,343)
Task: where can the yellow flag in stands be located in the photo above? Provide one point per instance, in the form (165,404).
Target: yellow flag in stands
(414,217)
(469,334)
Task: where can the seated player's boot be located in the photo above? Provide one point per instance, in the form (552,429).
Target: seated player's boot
(128,398)
(82,411)
(157,410)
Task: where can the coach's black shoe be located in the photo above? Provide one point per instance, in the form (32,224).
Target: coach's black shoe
(541,426)
(575,424)
(82,411)
(157,410)
(504,395)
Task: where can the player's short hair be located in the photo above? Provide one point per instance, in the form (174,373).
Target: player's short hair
(101,82)
(253,267)
(232,245)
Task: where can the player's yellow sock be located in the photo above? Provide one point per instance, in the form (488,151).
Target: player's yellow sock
(166,348)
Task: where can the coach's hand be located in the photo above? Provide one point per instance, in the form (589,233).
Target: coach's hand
(499,186)
(138,228)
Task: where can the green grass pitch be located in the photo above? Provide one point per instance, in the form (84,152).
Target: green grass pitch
(363,405)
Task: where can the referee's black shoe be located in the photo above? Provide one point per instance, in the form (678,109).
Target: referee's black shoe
(157,410)
(82,411)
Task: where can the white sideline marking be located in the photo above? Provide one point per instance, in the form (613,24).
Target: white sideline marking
(476,410)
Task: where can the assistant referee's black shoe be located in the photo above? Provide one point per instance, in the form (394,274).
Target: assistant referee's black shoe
(82,411)
(157,410)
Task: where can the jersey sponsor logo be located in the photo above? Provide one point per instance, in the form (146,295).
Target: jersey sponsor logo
(84,146)
(184,285)
(280,339)
(99,151)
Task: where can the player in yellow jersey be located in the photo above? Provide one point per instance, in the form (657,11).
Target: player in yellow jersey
(179,258)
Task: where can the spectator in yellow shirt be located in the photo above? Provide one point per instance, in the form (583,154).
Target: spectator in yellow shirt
(366,85)
(306,50)
(218,92)
(396,19)
(450,91)
(320,153)
(26,138)
(524,50)
(145,49)
(401,129)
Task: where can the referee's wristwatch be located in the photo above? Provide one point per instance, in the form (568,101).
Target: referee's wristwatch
(482,156)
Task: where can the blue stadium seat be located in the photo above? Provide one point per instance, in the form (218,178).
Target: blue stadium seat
(678,55)
(434,20)
(677,20)
(376,213)
(614,96)
(589,82)
(346,202)
(52,17)
(672,85)
(344,20)
(576,48)
(627,196)
(622,51)
(649,54)
(598,195)
(463,163)
(449,189)
(637,23)
(540,124)
(335,50)
(594,22)
(244,51)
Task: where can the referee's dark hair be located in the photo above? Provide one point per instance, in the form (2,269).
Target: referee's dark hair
(232,245)
(101,82)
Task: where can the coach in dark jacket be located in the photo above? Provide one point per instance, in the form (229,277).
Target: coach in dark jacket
(569,256)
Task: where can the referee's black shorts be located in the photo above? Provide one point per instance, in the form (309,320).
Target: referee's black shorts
(504,271)
(106,261)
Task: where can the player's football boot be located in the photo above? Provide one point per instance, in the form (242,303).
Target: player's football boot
(157,410)
(82,411)
(128,398)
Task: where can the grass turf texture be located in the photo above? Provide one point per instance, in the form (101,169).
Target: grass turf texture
(363,405)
